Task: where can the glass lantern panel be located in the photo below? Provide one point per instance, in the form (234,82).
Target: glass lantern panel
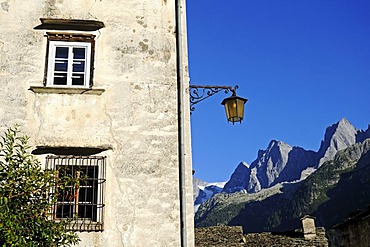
(240,109)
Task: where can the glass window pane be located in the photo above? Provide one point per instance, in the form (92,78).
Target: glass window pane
(66,195)
(93,172)
(78,53)
(64,211)
(60,79)
(61,52)
(86,195)
(61,65)
(78,66)
(87,211)
(78,79)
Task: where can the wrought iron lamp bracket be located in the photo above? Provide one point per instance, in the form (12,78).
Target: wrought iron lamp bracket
(199,93)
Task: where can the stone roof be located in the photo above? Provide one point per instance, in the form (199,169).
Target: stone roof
(357,216)
(220,236)
(232,236)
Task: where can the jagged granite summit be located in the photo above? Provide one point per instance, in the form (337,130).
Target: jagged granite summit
(239,180)
(337,137)
(278,163)
(282,163)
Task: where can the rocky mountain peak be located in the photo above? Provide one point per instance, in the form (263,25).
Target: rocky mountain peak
(275,144)
(267,167)
(363,134)
(239,179)
(337,137)
(275,153)
(282,163)
(285,172)
(244,163)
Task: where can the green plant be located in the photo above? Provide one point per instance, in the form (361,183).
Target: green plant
(26,198)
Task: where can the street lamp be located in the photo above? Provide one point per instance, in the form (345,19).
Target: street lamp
(234,105)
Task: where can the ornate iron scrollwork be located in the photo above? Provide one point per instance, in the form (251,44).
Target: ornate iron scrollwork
(199,93)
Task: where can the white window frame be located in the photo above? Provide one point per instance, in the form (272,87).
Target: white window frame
(51,63)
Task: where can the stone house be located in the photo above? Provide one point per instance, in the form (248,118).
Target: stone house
(101,89)
(353,231)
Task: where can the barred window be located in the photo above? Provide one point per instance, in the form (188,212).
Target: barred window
(80,201)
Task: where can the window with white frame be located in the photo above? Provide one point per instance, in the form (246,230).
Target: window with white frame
(69,60)
(81,199)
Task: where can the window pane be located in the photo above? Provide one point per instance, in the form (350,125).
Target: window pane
(78,66)
(66,195)
(86,195)
(78,53)
(78,79)
(61,52)
(61,65)
(87,211)
(64,211)
(89,176)
(60,79)
(92,172)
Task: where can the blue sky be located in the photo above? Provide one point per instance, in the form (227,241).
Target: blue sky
(302,64)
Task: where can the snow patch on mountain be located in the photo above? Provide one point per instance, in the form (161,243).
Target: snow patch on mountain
(307,172)
(202,191)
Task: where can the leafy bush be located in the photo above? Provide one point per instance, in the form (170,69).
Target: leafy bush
(26,198)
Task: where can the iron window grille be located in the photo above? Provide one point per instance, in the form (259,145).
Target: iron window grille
(81,200)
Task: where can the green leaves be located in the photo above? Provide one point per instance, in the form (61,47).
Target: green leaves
(26,198)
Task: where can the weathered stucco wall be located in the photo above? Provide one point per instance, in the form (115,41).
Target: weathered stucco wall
(136,116)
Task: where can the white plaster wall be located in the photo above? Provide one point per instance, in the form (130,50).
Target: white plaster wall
(135,62)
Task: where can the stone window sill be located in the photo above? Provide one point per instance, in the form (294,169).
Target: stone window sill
(58,90)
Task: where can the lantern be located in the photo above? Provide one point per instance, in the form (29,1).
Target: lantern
(234,107)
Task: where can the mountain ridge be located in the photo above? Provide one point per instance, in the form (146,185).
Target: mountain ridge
(262,202)
(281,162)
(342,181)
